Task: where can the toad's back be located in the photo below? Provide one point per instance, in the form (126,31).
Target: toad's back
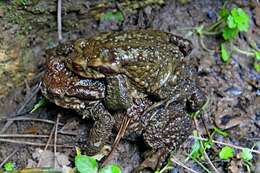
(147,57)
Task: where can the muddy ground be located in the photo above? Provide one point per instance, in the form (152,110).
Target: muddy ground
(28,28)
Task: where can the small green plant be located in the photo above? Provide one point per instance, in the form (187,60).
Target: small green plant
(226,153)
(39,104)
(116,16)
(257,61)
(221,132)
(9,166)
(87,164)
(236,21)
(196,150)
(199,147)
(246,154)
(112,168)
(224,53)
(229,25)
(247,157)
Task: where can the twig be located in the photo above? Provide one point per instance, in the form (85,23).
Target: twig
(32,143)
(67,133)
(33,170)
(120,134)
(46,146)
(205,127)
(33,119)
(202,166)
(27,100)
(204,152)
(59,20)
(8,157)
(227,144)
(182,165)
(34,136)
(55,139)
(22,136)
(243,52)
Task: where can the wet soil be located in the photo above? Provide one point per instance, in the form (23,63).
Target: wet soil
(28,28)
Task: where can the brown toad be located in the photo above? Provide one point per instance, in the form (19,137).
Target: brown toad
(135,66)
(147,57)
(70,91)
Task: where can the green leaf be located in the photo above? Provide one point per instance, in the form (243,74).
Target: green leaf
(9,166)
(40,103)
(257,61)
(226,153)
(208,144)
(223,13)
(224,53)
(257,66)
(112,168)
(231,23)
(246,154)
(257,55)
(241,19)
(78,152)
(86,164)
(113,16)
(195,152)
(221,132)
(229,33)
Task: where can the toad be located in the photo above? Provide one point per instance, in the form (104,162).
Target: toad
(147,57)
(141,71)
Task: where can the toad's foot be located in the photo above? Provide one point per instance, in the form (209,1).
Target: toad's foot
(153,161)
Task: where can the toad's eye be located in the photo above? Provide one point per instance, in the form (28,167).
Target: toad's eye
(76,64)
(79,63)
(77,67)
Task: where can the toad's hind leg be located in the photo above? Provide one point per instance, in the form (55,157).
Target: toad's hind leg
(101,131)
(167,127)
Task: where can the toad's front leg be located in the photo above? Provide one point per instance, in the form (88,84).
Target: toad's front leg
(101,131)
(118,97)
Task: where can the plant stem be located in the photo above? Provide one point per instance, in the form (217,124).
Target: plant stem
(204,150)
(204,46)
(211,32)
(201,165)
(227,144)
(166,168)
(242,51)
(182,165)
(214,25)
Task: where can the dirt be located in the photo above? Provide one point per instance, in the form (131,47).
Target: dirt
(28,28)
